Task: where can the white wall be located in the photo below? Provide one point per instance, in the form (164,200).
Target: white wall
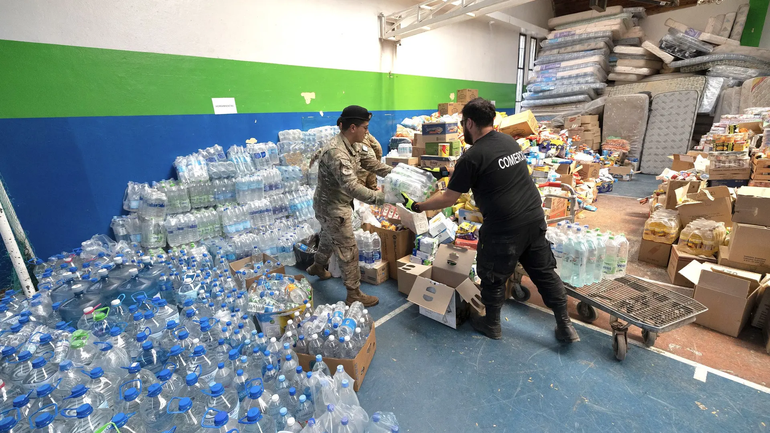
(537,12)
(342,34)
(696,17)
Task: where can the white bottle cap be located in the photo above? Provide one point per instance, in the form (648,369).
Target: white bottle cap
(115,302)
(88,310)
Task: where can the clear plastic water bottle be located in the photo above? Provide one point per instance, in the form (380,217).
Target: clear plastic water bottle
(578,258)
(221,399)
(153,409)
(128,423)
(601,250)
(255,421)
(591,258)
(611,258)
(87,418)
(622,264)
(320,366)
(185,413)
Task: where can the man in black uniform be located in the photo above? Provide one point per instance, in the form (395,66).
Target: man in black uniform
(514,223)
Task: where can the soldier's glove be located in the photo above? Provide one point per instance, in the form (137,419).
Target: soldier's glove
(438,172)
(410,204)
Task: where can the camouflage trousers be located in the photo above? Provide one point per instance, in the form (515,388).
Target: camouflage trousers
(337,238)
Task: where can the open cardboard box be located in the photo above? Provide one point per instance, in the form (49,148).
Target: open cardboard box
(437,294)
(240,264)
(715,204)
(408,273)
(273,324)
(692,186)
(395,244)
(730,295)
(356,367)
(750,244)
(752,205)
(416,222)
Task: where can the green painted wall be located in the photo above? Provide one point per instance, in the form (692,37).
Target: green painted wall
(755,22)
(43,80)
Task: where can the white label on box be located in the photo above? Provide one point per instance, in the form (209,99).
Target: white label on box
(224,105)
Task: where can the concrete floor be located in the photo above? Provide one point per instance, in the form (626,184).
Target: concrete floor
(436,379)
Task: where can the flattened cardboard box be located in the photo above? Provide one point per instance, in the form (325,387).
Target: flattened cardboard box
(356,367)
(449,276)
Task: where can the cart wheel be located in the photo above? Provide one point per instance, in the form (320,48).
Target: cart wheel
(649,337)
(619,346)
(520,293)
(586,312)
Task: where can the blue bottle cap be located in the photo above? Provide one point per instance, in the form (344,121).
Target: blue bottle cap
(42,420)
(154,390)
(21,400)
(131,394)
(147,345)
(283,411)
(120,419)
(185,404)
(78,390)
(221,419)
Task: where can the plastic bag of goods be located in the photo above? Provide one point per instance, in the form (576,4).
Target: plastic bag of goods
(417,184)
(662,226)
(702,237)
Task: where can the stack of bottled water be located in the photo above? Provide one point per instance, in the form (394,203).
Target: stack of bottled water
(416,183)
(191,168)
(127,228)
(178,200)
(173,352)
(291,178)
(369,249)
(585,256)
(133,195)
(224,191)
(201,194)
(241,157)
(249,188)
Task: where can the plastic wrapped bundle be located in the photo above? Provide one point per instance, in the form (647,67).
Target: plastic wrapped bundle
(662,226)
(553,85)
(595,73)
(133,195)
(191,168)
(570,90)
(736,72)
(567,41)
(683,46)
(552,58)
(555,101)
(416,183)
(702,237)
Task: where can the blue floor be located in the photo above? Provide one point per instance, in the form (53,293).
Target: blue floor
(642,185)
(436,379)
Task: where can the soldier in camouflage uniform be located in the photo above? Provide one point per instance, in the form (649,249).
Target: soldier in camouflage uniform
(339,163)
(367,178)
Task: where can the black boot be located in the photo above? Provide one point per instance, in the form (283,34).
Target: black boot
(489,324)
(565,332)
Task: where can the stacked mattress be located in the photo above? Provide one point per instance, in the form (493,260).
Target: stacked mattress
(573,65)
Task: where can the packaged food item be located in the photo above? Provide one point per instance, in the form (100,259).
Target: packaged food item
(662,226)
(702,237)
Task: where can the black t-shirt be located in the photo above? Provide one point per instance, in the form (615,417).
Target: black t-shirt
(496,169)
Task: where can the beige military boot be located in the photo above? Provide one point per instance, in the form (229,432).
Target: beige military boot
(317,270)
(357,295)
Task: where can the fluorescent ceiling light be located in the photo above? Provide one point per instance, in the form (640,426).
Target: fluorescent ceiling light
(426,28)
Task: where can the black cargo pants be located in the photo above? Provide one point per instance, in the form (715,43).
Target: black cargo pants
(497,258)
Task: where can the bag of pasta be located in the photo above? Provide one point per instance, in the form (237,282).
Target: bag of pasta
(702,237)
(662,226)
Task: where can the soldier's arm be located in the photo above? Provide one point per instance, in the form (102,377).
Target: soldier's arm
(372,164)
(374,144)
(346,177)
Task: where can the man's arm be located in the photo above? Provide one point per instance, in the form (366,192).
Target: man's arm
(440,201)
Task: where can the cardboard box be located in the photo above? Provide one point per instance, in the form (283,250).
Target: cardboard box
(519,125)
(356,367)
(678,261)
(572,122)
(683,162)
(240,264)
(724,260)
(750,244)
(395,244)
(566,168)
(730,295)
(568,179)
(395,160)
(590,170)
(465,96)
(416,222)
(437,132)
(654,253)
(408,273)
(752,205)
(418,140)
(449,108)
(418,151)
(729,173)
(438,161)
(624,172)
(448,294)
(691,187)
(464,243)
(589,119)
(452,148)
(376,275)
(273,324)
(762,313)
(713,204)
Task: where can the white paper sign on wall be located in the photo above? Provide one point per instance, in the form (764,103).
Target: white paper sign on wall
(224,106)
